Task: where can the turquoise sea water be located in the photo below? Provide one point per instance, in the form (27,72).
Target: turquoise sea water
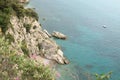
(90,47)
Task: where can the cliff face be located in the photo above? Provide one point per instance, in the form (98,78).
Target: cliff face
(29,38)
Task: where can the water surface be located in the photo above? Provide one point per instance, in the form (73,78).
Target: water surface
(90,47)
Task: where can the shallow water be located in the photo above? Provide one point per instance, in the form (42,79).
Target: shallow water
(90,47)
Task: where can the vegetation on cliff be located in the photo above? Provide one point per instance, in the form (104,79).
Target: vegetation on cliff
(14,66)
(17,67)
(12,7)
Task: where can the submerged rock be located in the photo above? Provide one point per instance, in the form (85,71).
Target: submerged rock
(59,35)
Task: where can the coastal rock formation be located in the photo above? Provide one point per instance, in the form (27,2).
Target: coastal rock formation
(59,35)
(47,33)
(29,38)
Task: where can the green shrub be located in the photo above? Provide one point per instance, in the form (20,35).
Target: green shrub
(27,26)
(12,7)
(6,11)
(19,9)
(24,48)
(9,37)
(4,21)
(103,76)
(31,71)
(16,67)
(31,13)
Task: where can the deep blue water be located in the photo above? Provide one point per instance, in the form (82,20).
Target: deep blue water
(90,47)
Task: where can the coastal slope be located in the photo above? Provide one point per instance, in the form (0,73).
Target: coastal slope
(26,31)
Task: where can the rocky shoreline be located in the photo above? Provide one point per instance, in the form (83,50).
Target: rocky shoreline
(35,42)
(27,51)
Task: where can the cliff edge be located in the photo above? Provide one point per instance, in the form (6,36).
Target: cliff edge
(27,52)
(29,38)
(20,25)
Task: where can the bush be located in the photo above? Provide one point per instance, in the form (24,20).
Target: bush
(16,67)
(4,21)
(9,37)
(12,7)
(6,11)
(27,26)
(19,9)
(103,76)
(31,13)
(24,48)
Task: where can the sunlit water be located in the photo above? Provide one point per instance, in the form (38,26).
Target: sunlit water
(93,30)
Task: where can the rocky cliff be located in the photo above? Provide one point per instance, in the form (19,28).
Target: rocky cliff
(28,38)
(26,50)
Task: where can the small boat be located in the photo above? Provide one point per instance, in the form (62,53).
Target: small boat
(104,26)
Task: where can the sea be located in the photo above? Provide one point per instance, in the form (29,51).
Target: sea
(93,35)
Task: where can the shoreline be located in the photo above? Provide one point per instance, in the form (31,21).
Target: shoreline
(45,61)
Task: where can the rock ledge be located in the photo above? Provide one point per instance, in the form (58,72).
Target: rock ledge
(59,35)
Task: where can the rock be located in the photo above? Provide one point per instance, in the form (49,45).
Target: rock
(37,41)
(60,56)
(0,31)
(51,52)
(59,52)
(66,61)
(59,35)
(47,33)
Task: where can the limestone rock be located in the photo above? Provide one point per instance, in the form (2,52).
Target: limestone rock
(59,35)
(36,41)
(47,33)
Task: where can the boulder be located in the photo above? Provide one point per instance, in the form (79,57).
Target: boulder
(51,52)
(66,61)
(59,35)
(60,58)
